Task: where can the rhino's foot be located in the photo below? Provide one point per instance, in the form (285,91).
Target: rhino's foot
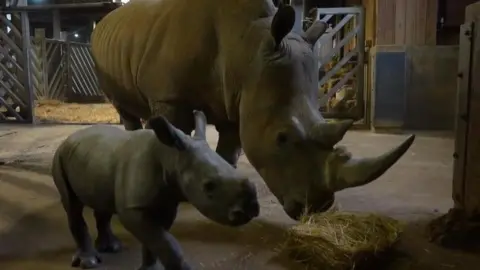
(86,260)
(108,244)
(156,266)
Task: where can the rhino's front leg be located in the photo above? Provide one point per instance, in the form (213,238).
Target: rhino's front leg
(229,146)
(129,121)
(151,231)
(178,114)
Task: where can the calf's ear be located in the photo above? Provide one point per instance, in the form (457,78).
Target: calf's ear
(166,133)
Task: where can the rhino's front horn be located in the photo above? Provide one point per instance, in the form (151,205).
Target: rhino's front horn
(200,125)
(358,172)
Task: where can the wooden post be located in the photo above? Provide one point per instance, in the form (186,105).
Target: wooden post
(469,116)
(57,27)
(459,227)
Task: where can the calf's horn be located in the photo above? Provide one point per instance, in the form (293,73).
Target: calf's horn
(200,125)
(358,172)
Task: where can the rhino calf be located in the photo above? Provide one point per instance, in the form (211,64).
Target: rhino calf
(142,176)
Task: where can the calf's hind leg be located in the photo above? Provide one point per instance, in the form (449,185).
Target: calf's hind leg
(106,241)
(86,256)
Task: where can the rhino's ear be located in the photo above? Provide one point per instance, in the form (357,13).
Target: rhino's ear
(282,23)
(166,133)
(315,31)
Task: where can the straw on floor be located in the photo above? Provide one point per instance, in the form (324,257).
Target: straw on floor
(340,240)
(53,111)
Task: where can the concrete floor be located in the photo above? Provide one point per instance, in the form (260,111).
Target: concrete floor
(34,234)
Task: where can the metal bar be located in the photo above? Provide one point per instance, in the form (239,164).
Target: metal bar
(27,67)
(43,54)
(12,94)
(360,76)
(57,85)
(9,24)
(56,79)
(89,68)
(58,6)
(83,84)
(3,118)
(337,67)
(337,86)
(9,58)
(340,45)
(11,45)
(12,77)
(341,10)
(325,18)
(69,70)
(10,109)
(340,25)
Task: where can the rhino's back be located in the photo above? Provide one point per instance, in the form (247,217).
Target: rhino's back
(88,161)
(145,46)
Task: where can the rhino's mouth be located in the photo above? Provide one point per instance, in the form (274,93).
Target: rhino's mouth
(295,209)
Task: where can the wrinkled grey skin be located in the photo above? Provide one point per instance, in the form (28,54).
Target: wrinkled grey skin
(142,176)
(240,63)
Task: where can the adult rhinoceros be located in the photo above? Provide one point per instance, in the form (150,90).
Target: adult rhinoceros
(240,63)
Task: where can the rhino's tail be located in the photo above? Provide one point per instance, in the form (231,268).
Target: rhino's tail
(61,181)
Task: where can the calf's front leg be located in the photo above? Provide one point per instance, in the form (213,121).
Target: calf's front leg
(151,231)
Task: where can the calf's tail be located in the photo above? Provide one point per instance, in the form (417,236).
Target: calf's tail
(60,178)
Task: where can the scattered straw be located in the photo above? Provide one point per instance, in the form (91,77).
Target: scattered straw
(53,111)
(339,240)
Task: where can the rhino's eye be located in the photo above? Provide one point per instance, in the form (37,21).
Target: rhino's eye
(282,138)
(209,188)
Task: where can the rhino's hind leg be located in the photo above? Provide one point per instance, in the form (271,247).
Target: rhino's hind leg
(86,256)
(106,241)
(229,145)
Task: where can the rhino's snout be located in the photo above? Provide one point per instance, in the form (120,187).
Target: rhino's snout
(240,215)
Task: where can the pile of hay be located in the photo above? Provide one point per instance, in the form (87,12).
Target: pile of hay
(53,111)
(339,240)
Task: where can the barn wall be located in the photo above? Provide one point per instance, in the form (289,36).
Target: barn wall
(405,22)
(414,87)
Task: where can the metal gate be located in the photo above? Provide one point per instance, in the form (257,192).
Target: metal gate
(341,53)
(68,72)
(82,76)
(16,95)
(55,69)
